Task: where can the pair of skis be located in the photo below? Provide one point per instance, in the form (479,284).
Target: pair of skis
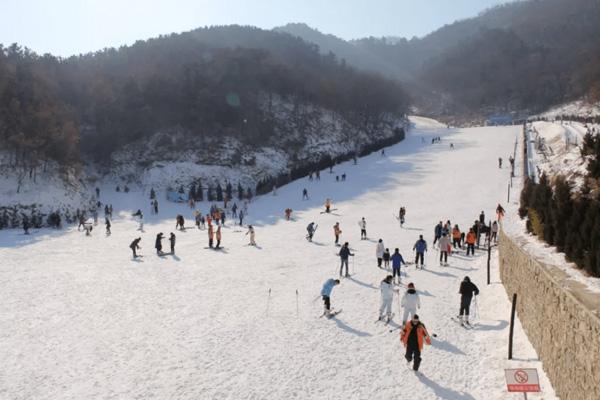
(466,325)
(331,314)
(387,320)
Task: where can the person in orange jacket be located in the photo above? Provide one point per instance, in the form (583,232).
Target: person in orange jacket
(471,242)
(337,232)
(456,237)
(412,337)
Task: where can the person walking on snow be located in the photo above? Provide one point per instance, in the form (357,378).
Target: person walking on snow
(412,336)
(445,247)
(387,296)
(379,252)
(410,302)
(456,235)
(471,239)
(241,217)
(363,228)
(386,259)
(467,290)
(437,232)
(397,261)
(218,236)
(311,231)
(344,255)
(420,248)
(337,232)
(499,162)
(135,245)
(402,215)
(158,243)
(251,232)
(172,242)
(326,295)
(305,194)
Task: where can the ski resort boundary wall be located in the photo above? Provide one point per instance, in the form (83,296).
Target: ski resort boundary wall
(561,318)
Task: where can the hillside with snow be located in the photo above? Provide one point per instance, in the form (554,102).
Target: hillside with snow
(80,318)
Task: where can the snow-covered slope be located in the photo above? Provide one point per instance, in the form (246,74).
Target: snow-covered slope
(80,319)
(579,108)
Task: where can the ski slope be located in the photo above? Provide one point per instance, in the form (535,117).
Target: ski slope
(80,319)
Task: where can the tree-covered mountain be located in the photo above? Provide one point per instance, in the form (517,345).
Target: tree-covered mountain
(524,55)
(212,83)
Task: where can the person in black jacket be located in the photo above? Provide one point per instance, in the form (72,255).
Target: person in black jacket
(344,254)
(467,290)
(135,245)
(158,243)
(172,240)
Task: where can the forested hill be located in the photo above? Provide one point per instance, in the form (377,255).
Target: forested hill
(524,55)
(210,84)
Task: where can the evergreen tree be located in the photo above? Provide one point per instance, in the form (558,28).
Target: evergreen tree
(229,191)
(561,211)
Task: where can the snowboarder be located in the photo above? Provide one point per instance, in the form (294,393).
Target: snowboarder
(445,247)
(494,231)
(386,258)
(211,235)
(326,295)
(412,336)
(108,225)
(251,232)
(379,250)
(344,255)
(135,245)
(337,232)
(387,296)
(397,261)
(158,244)
(410,302)
(420,248)
(304,194)
(471,242)
(467,290)
(172,242)
(363,228)
(311,231)
(218,236)
(437,232)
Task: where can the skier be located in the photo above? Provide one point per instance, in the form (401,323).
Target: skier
(152,194)
(379,252)
(437,232)
(328,205)
(305,194)
(397,261)
(499,212)
(420,247)
(387,296)
(499,162)
(326,295)
(211,235)
(179,222)
(412,337)
(241,217)
(337,232)
(172,241)
(344,177)
(482,218)
(223,216)
(344,254)
(386,258)
(108,225)
(218,235)
(251,232)
(155,206)
(363,228)
(402,215)
(410,302)
(234,210)
(456,235)
(311,231)
(471,242)
(467,290)
(318,175)
(494,230)
(445,246)
(135,245)
(158,244)
(288,213)
(382,152)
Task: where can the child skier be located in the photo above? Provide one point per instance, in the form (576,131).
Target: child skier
(410,302)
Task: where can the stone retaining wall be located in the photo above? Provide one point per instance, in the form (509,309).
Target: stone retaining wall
(560,317)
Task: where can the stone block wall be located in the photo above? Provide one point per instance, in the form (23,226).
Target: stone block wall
(560,317)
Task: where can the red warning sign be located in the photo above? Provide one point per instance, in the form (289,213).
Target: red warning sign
(522,380)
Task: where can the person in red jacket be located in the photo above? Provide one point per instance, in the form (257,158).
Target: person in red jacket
(412,337)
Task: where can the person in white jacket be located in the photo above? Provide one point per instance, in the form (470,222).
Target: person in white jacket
(379,252)
(410,302)
(445,247)
(387,296)
(363,228)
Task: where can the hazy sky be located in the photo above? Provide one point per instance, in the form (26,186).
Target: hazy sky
(65,27)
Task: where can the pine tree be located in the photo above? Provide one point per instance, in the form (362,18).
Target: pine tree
(562,206)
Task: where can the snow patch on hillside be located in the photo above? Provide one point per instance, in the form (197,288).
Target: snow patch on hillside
(579,108)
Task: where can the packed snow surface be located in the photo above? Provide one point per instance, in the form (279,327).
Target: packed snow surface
(80,319)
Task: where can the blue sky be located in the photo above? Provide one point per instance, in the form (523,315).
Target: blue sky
(65,27)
